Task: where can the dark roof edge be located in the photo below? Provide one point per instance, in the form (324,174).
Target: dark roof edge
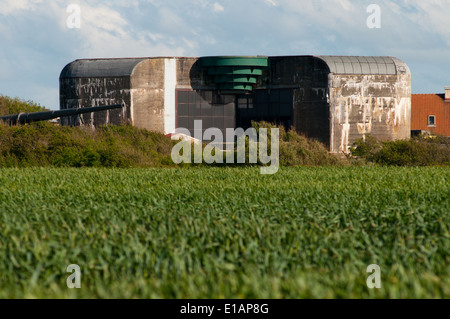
(104,67)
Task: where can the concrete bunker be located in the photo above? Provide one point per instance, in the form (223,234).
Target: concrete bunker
(334,99)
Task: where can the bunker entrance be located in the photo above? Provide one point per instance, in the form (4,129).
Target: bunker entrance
(233,111)
(273,106)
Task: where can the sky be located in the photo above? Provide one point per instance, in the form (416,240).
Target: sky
(39,37)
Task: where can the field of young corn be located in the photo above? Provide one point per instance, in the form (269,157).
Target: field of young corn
(225,232)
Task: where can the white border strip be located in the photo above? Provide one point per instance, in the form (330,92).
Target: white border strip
(170,83)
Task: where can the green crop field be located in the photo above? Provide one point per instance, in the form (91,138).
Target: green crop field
(225,232)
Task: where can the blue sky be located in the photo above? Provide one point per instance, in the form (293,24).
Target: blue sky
(36,43)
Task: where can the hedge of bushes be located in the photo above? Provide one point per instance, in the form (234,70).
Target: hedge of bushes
(10,105)
(297,150)
(419,151)
(45,144)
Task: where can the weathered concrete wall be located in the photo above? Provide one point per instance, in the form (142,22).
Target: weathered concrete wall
(379,105)
(147,95)
(189,75)
(87,92)
(338,109)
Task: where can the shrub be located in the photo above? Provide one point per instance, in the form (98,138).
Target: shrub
(10,105)
(294,150)
(44,144)
(297,150)
(419,151)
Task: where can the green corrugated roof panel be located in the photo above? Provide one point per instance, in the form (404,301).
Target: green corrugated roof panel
(235,73)
(233,61)
(234,79)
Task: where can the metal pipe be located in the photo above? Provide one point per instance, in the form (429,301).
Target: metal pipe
(24,118)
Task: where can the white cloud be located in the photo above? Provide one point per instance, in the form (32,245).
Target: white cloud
(10,6)
(432,15)
(100,20)
(346,4)
(217,7)
(272,2)
(106,32)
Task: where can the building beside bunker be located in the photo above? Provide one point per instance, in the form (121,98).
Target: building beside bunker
(334,99)
(430,113)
